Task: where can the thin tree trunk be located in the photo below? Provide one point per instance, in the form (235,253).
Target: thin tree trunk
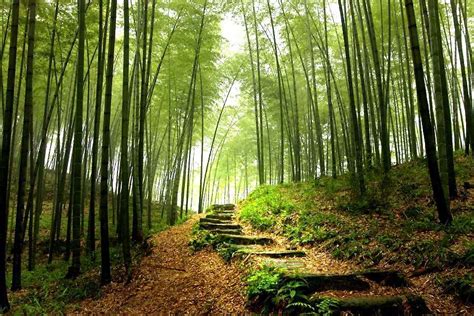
(444,214)
(355,125)
(95,141)
(25,149)
(105,276)
(124,174)
(6,148)
(436,56)
(74,269)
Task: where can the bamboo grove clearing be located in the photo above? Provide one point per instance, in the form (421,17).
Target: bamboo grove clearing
(343,131)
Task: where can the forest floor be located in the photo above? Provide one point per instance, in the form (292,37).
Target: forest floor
(393,229)
(190,270)
(172,279)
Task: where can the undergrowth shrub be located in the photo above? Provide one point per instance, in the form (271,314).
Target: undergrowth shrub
(201,239)
(428,253)
(460,286)
(264,206)
(462,224)
(267,291)
(468,257)
(331,186)
(291,297)
(382,226)
(263,282)
(227,251)
(327,306)
(311,226)
(370,203)
(48,292)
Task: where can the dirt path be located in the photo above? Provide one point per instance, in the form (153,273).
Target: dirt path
(173,280)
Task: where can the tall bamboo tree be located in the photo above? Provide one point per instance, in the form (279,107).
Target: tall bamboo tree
(26,149)
(439,196)
(75,268)
(354,120)
(6,148)
(104,169)
(124,175)
(95,140)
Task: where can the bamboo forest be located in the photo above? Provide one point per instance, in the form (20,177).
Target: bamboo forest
(237,157)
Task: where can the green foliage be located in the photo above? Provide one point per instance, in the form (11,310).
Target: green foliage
(468,257)
(311,227)
(331,186)
(263,206)
(257,218)
(300,307)
(461,286)
(286,208)
(263,282)
(370,203)
(291,295)
(429,253)
(389,242)
(462,224)
(226,251)
(327,306)
(302,235)
(413,212)
(373,228)
(201,239)
(49,292)
(268,290)
(346,247)
(411,190)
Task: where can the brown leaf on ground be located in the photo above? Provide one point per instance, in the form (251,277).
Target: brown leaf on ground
(174,280)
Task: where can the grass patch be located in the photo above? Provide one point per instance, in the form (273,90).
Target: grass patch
(47,291)
(460,286)
(264,206)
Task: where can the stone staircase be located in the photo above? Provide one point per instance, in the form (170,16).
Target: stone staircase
(222,222)
(362,298)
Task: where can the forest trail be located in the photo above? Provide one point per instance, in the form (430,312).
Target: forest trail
(314,272)
(174,280)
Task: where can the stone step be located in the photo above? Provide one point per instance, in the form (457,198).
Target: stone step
(354,281)
(227,213)
(292,265)
(222,207)
(272,254)
(226,231)
(376,305)
(215,221)
(219,226)
(225,217)
(385,277)
(249,247)
(245,240)
(326,282)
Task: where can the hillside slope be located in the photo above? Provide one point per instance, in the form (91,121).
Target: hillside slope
(392,229)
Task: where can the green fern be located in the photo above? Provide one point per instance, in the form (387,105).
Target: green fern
(328,306)
(301,307)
